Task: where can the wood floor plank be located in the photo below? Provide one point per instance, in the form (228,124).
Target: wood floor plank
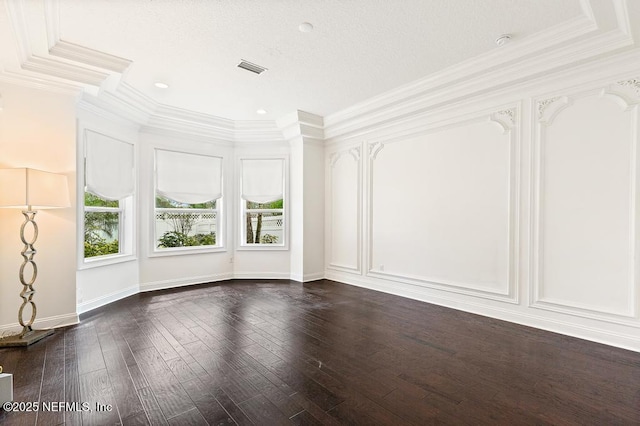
(277,352)
(230,407)
(95,389)
(71,379)
(151,407)
(189,418)
(137,420)
(206,403)
(88,350)
(52,377)
(124,389)
(259,408)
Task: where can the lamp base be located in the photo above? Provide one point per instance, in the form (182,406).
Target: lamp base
(26,340)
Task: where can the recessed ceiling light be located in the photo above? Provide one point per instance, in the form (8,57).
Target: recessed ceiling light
(261,111)
(503,39)
(305,27)
(161,85)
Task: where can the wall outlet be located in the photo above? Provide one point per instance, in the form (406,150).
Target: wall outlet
(231,259)
(382,267)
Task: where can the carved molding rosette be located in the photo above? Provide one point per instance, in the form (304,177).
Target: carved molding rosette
(628,90)
(505,118)
(543,105)
(633,83)
(549,108)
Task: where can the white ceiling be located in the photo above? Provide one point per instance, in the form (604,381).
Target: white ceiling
(358,48)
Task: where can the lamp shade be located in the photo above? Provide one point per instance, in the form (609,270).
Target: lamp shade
(31,188)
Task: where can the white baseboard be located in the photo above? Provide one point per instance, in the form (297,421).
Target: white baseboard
(313,277)
(182,282)
(43,323)
(609,334)
(307,277)
(105,300)
(296,277)
(262,275)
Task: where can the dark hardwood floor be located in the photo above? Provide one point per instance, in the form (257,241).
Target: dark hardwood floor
(271,353)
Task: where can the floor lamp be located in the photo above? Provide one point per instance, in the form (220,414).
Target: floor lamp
(30,190)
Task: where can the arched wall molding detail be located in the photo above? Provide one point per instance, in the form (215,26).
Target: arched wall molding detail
(549,108)
(625,94)
(349,153)
(633,83)
(335,156)
(506,119)
(374,149)
(628,91)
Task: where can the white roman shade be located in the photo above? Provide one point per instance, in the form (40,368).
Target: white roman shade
(262,180)
(188,178)
(109,169)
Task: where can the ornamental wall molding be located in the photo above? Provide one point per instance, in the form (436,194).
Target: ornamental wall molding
(505,118)
(374,149)
(633,83)
(544,104)
(335,156)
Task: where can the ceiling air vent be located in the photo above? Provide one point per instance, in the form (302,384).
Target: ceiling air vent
(249,66)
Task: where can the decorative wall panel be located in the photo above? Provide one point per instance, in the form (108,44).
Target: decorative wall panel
(585,206)
(443,207)
(345,210)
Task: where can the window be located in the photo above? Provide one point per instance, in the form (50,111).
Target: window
(102,219)
(262,202)
(108,195)
(187,200)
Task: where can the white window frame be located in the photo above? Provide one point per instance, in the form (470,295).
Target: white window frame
(126,210)
(218,210)
(242,228)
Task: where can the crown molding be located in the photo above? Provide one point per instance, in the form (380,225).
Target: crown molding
(257,131)
(75,52)
(31,82)
(86,105)
(187,122)
(570,43)
(153,117)
(35,58)
(16,14)
(127,105)
(181,135)
(68,66)
(57,69)
(302,124)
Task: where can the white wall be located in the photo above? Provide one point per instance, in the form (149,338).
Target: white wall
(521,205)
(444,196)
(37,130)
(313,218)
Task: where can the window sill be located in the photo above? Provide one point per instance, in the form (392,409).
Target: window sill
(263,247)
(98,261)
(180,251)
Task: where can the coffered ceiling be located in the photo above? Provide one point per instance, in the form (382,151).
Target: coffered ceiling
(358,49)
